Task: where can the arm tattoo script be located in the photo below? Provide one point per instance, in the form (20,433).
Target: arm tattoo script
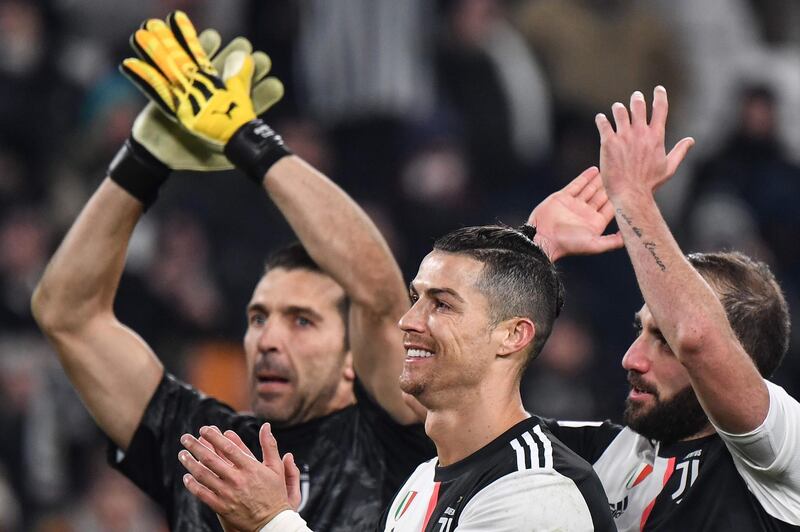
(648,245)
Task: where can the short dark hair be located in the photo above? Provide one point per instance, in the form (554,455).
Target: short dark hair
(518,278)
(754,303)
(295,257)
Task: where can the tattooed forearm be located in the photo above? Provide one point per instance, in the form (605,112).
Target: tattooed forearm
(649,245)
(629,221)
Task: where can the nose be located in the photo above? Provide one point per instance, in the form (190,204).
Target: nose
(636,358)
(271,336)
(412,320)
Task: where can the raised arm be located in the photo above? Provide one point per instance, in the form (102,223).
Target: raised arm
(686,309)
(346,244)
(113,370)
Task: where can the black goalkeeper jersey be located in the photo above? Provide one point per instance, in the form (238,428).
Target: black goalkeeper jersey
(351,462)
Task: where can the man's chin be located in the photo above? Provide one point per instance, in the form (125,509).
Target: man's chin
(679,418)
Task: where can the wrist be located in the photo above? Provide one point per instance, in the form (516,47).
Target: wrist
(138,171)
(632,197)
(254,148)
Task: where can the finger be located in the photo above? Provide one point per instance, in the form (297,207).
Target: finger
(575,186)
(200,472)
(263,64)
(607,212)
(208,457)
(150,82)
(676,156)
(604,243)
(269,449)
(225,447)
(622,121)
(210,40)
(660,108)
(238,44)
(150,48)
(267,93)
(638,109)
(202,493)
(599,198)
(292,477)
(238,72)
(210,445)
(603,126)
(185,35)
(239,443)
(590,189)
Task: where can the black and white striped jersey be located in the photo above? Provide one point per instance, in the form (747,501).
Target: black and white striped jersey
(524,480)
(722,482)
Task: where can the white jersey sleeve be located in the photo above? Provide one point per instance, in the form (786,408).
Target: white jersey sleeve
(767,457)
(526,501)
(286,521)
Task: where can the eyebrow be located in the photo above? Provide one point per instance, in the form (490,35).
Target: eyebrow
(291,310)
(438,292)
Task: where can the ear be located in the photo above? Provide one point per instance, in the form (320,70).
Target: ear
(348,373)
(516,335)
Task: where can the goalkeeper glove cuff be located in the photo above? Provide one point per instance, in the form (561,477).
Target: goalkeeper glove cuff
(254,148)
(138,172)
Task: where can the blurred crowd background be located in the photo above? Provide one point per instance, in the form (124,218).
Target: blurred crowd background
(432,115)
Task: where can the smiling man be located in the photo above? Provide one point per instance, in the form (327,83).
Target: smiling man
(483,304)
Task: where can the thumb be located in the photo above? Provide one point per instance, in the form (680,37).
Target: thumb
(292,478)
(238,72)
(604,243)
(675,157)
(269,449)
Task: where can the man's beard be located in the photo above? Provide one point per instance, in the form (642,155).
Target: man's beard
(668,421)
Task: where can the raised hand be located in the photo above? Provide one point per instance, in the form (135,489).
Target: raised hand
(210,100)
(572,220)
(157,129)
(633,157)
(245,493)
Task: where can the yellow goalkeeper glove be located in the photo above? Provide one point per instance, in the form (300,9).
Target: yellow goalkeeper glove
(176,74)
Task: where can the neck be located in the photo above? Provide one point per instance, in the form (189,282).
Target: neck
(707,431)
(468,424)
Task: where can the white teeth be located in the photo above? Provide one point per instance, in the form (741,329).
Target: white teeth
(418,353)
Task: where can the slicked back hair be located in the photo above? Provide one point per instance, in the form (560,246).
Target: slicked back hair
(295,257)
(517,278)
(754,303)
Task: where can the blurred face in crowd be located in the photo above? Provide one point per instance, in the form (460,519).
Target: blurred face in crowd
(298,364)
(661,404)
(450,341)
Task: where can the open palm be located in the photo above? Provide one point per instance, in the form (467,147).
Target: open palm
(572,220)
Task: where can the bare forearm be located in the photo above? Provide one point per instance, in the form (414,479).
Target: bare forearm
(336,232)
(82,277)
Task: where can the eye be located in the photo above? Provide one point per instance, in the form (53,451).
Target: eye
(301,321)
(257,319)
(413,298)
(637,328)
(441,305)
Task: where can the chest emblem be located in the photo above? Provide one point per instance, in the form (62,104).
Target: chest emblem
(408,498)
(638,475)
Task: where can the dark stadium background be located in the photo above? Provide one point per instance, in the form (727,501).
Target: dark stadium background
(431,115)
